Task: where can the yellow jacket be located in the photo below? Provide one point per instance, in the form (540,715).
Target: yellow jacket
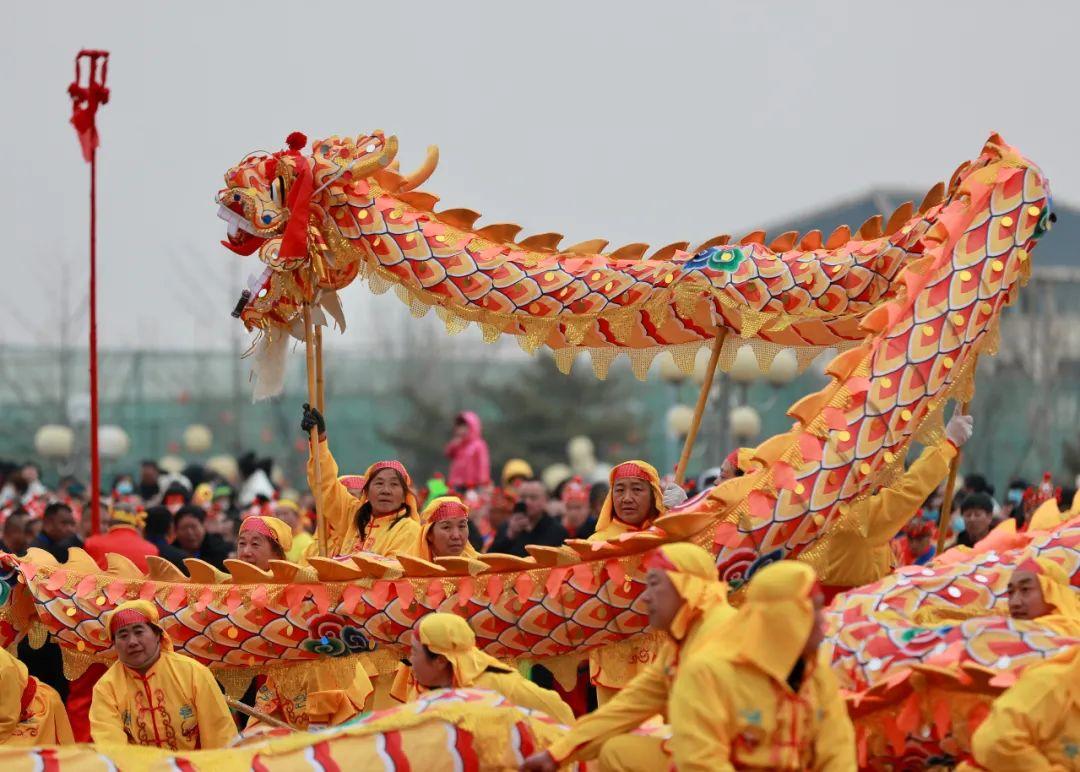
(650,693)
(31,712)
(322,702)
(386,535)
(1035,725)
(857,549)
(176,704)
(729,715)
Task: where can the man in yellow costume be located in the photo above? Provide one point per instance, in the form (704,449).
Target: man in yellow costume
(1039,589)
(153,696)
(635,499)
(383,518)
(688,603)
(31,712)
(444,655)
(857,550)
(1034,726)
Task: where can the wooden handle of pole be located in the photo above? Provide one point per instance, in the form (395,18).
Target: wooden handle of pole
(320,378)
(309,343)
(946,504)
(257,714)
(699,409)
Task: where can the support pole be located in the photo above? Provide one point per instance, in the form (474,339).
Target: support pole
(309,344)
(945,515)
(95,456)
(258,715)
(320,377)
(699,409)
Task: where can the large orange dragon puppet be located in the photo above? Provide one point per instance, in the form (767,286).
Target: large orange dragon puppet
(913,299)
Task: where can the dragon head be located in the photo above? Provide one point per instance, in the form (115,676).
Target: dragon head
(270,200)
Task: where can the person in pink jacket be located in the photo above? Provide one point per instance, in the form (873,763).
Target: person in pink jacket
(470,466)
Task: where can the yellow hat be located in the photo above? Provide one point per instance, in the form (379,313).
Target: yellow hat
(120,516)
(135,612)
(1054,582)
(692,571)
(203,495)
(771,628)
(451,636)
(516,467)
(270,527)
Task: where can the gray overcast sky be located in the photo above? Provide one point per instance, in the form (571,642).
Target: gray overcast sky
(631,120)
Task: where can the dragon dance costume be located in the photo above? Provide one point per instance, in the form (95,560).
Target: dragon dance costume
(31,713)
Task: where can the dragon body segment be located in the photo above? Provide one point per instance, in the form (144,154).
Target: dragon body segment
(806,293)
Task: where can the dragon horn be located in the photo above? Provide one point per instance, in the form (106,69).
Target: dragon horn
(420,176)
(369,166)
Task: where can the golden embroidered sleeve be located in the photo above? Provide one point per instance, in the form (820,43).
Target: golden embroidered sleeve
(13,680)
(834,739)
(106,724)
(700,716)
(216,727)
(643,697)
(892,507)
(333,500)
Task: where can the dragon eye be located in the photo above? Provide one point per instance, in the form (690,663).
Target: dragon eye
(235,196)
(371,148)
(266,218)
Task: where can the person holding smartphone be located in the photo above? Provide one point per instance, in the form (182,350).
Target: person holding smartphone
(529,523)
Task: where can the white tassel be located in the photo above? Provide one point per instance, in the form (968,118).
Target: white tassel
(268,366)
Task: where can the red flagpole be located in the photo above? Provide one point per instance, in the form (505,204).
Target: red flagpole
(85,101)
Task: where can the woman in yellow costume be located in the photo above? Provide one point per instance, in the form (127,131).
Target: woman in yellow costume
(444,655)
(857,550)
(1034,726)
(635,499)
(382,519)
(687,602)
(444,530)
(31,712)
(152,695)
(322,702)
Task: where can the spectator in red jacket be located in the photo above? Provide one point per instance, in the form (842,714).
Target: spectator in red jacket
(470,465)
(124,537)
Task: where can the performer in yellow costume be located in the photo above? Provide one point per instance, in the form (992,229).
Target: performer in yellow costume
(153,696)
(444,655)
(31,712)
(635,498)
(1035,725)
(322,702)
(686,601)
(857,549)
(444,530)
(383,518)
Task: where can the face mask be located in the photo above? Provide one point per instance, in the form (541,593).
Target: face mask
(1015,495)
(125,488)
(957,523)
(931,515)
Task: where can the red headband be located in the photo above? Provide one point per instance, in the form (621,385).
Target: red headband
(657,559)
(630,470)
(129,616)
(397,466)
(352,480)
(258,525)
(575,490)
(448,510)
(1030,565)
